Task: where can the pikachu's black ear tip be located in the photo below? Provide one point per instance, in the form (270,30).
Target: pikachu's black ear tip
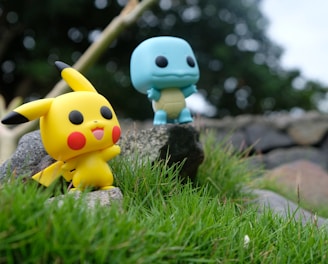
(14,118)
(61,65)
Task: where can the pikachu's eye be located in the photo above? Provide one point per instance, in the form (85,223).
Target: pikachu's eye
(106,112)
(75,117)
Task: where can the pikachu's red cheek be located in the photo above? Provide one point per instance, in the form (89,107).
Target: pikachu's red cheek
(76,140)
(116,133)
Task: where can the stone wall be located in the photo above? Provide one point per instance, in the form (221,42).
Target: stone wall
(278,139)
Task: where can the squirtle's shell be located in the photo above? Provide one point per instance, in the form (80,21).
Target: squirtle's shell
(172,101)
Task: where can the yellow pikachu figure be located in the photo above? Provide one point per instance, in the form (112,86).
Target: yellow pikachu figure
(78,129)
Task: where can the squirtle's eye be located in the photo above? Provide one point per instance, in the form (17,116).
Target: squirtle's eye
(106,112)
(191,61)
(75,117)
(161,61)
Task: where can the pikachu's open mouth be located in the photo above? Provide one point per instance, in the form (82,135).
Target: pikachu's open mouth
(98,133)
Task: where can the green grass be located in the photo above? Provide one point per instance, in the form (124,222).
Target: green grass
(160,221)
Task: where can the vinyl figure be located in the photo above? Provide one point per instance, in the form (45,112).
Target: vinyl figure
(78,129)
(165,68)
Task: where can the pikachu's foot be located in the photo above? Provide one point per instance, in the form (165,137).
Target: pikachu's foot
(74,190)
(106,187)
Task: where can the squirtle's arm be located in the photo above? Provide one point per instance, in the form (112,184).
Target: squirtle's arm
(189,90)
(154,94)
(49,174)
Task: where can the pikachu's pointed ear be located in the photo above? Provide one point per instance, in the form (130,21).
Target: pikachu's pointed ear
(28,112)
(73,78)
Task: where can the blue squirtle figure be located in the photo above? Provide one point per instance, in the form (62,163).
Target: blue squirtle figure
(165,68)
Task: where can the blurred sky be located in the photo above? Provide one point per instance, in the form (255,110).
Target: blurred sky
(301,28)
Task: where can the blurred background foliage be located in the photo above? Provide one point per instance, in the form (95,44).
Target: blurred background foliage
(240,65)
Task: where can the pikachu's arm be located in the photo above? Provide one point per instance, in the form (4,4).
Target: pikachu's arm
(68,169)
(49,174)
(111,152)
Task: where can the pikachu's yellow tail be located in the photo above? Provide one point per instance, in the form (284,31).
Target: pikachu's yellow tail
(49,174)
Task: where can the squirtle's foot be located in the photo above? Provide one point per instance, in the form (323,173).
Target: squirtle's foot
(160,118)
(185,116)
(107,187)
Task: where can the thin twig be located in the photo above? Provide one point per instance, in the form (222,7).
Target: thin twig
(91,55)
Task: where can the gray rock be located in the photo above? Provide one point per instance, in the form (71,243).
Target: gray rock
(324,147)
(102,197)
(264,137)
(237,138)
(285,208)
(301,181)
(229,123)
(178,143)
(27,156)
(44,162)
(308,132)
(144,144)
(280,156)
